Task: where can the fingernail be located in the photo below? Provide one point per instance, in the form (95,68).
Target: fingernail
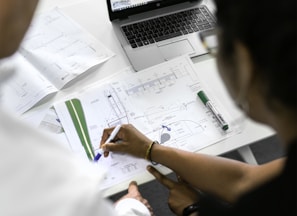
(133,182)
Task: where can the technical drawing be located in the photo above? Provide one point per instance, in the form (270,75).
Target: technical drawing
(117,107)
(161,102)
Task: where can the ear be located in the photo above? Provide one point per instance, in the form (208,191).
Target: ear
(245,72)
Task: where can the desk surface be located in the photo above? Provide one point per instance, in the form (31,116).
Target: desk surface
(95,20)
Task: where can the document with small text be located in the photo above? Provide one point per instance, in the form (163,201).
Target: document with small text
(54,52)
(160,101)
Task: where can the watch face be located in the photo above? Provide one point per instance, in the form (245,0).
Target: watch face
(191,209)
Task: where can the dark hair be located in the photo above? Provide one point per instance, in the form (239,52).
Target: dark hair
(268,29)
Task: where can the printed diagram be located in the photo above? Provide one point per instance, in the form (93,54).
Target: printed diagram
(172,126)
(117,109)
(157,83)
(180,132)
(168,118)
(60,48)
(160,102)
(101,108)
(19,87)
(127,168)
(120,168)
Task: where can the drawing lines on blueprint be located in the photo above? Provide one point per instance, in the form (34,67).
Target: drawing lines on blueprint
(102,108)
(161,102)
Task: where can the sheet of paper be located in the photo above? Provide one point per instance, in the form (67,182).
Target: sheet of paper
(160,101)
(55,51)
(60,49)
(25,87)
(46,119)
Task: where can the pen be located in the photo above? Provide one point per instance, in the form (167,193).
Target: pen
(111,137)
(215,112)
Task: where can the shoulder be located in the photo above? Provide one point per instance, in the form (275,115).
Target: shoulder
(42,177)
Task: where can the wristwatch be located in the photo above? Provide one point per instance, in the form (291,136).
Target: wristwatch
(191,209)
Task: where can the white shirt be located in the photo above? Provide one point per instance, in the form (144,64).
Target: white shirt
(40,177)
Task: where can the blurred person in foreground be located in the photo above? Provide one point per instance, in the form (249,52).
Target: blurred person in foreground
(39,176)
(256,59)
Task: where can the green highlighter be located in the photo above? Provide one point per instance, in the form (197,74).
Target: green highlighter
(215,112)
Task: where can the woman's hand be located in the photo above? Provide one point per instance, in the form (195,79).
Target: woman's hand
(181,195)
(128,140)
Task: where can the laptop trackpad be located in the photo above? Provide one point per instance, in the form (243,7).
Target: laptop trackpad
(175,49)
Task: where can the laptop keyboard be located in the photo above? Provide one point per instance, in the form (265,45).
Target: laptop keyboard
(169,26)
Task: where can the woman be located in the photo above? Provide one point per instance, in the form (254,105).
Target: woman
(257,62)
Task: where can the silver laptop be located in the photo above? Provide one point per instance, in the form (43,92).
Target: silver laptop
(154,31)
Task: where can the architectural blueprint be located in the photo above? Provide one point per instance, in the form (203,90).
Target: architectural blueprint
(160,101)
(55,51)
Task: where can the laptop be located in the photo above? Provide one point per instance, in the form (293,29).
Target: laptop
(154,31)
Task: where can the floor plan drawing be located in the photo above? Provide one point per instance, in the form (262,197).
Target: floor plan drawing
(160,101)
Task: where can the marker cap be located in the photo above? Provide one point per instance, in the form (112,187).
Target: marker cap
(97,157)
(203,97)
(100,152)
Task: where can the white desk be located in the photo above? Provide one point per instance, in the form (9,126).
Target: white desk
(93,16)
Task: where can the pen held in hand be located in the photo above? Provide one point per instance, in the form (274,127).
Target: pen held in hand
(110,138)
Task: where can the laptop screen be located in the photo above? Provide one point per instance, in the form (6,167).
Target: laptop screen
(118,5)
(120,9)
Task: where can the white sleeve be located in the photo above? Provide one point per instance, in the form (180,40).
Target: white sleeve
(41,177)
(131,207)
